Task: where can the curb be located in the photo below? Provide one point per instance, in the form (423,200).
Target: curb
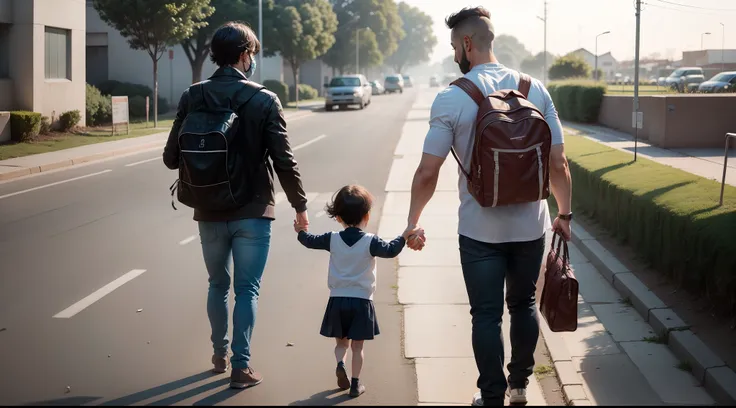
(25,171)
(710,371)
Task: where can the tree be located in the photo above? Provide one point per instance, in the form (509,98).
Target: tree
(449,65)
(534,66)
(197,47)
(306,31)
(381,16)
(510,51)
(154,25)
(419,39)
(570,66)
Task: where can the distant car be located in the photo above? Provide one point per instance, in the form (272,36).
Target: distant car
(378,89)
(348,90)
(434,82)
(723,82)
(681,78)
(662,81)
(394,83)
(408,82)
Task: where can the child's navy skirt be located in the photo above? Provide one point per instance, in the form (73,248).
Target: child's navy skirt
(354,318)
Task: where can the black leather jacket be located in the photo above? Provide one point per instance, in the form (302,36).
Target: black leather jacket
(263,126)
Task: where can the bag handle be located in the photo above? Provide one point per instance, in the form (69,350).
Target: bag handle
(561,245)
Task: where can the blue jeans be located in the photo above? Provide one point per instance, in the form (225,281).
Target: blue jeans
(247,242)
(485,268)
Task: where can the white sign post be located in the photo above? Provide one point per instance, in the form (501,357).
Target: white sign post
(637,120)
(120,113)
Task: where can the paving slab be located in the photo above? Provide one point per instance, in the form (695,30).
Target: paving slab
(659,366)
(614,380)
(432,285)
(437,252)
(446,380)
(623,322)
(593,286)
(402,174)
(437,331)
(591,337)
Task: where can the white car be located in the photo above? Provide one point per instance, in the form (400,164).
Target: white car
(394,83)
(348,90)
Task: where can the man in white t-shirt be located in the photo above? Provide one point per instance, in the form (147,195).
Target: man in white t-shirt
(499,244)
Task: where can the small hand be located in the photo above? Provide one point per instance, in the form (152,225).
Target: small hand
(303,220)
(415,237)
(563,227)
(299,228)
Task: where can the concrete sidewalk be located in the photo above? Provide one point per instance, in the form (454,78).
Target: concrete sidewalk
(610,359)
(37,163)
(703,162)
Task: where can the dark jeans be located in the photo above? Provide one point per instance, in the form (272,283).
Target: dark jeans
(485,267)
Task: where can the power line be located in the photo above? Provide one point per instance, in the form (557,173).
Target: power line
(695,7)
(661,7)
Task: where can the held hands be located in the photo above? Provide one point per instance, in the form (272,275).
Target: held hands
(301,223)
(414,236)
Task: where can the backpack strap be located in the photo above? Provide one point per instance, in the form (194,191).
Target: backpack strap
(525,84)
(250,89)
(470,88)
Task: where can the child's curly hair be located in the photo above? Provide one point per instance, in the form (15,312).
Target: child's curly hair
(351,203)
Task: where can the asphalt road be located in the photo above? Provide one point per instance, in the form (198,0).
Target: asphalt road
(105,235)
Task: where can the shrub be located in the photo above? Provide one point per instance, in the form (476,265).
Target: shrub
(279,88)
(69,120)
(570,66)
(306,92)
(117,88)
(24,125)
(45,127)
(104,113)
(95,99)
(137,107)
(578,100)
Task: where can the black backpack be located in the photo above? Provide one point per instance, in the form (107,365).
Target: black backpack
(211,173)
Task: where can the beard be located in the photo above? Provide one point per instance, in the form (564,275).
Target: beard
(464,63)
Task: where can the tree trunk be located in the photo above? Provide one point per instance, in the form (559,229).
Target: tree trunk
(295,71)
(197,67)
(155,92)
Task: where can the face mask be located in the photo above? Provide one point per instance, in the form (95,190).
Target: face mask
(252,69)
(464,63)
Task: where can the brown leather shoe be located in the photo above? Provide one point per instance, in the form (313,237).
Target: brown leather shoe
(244,378)
(221,364)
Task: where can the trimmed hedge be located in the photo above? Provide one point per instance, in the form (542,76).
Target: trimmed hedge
(69,120)
(578,101)
(45,127)
(98,107)
(117,88)
(24,126)
(306,92)
(279,88)
(671,218)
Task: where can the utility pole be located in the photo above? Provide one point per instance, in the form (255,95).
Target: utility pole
(545,41)
(595,72)
(260,38)
(723,48)
(636,79)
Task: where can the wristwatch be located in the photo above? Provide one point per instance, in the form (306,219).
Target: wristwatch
(565,217)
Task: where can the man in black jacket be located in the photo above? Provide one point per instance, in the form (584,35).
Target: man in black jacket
(243,233)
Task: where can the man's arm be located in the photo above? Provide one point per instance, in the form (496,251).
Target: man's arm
(424,185)
(559,171)
(315,241)
(171,151)
(277,143)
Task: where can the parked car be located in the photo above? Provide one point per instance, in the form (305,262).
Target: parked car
(348,90)
(662,81)
(377,88)
(408,82)
(723,82)
(434,82)
(394,83)
(681,78)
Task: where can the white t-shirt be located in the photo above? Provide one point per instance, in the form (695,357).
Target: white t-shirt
(452,123)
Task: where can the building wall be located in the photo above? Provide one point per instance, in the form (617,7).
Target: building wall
(708,57)
(27,82)
(135,66)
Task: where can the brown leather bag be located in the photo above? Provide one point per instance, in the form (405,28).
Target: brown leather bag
(510,158)
(559,304)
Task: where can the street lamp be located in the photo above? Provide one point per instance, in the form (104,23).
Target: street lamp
(595,73)
(544,20)
(357,49)
(701,39)
(723,46)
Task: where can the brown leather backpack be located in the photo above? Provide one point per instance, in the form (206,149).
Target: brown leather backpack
(510,158)
(559,304)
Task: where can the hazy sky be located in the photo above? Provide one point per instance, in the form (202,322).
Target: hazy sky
(668,27)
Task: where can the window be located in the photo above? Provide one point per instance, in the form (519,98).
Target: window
(58,53)
(345,81)
(4,50)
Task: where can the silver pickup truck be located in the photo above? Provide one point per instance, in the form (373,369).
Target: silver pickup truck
(683,79)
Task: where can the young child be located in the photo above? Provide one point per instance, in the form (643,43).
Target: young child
(350,317)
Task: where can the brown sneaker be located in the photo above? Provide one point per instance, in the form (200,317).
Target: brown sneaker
(221,364)
(244,378)
(343,382)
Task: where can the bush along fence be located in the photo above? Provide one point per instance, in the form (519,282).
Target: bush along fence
(577,101)
(671,218)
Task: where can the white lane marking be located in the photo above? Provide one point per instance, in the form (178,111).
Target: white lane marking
(98,294)
(54,184)
(310,114)
(187,240)
(142,161)
(303,145)
(319,214)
